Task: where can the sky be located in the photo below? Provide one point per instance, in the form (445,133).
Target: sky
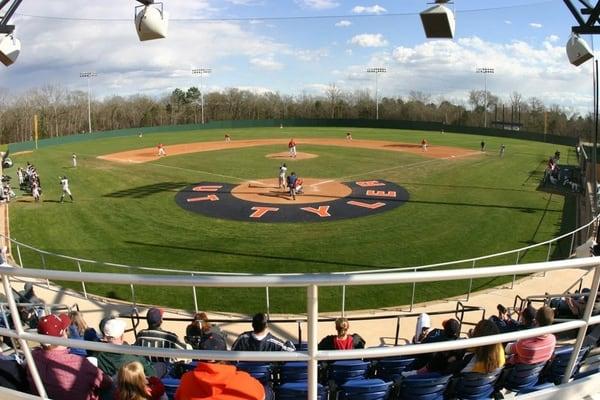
(297,47)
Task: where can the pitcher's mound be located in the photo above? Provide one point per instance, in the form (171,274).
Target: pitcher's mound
(284,155)
(315,191)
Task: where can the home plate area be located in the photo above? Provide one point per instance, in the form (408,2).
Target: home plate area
(263,201)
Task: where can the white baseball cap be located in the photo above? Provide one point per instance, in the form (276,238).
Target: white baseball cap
(114,328)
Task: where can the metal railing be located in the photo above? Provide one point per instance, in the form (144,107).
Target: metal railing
(79,263)
(312,283)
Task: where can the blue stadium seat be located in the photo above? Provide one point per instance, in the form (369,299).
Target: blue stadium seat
(389,369)
(522,378)
(260,371)
(557,366)
(429,386)
(299,391)
(295,371)
(343,371)
(365,389)
(171,385)
(475,385)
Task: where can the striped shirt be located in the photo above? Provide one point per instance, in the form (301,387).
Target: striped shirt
(532,350)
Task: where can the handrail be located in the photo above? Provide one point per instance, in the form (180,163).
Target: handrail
(312,282)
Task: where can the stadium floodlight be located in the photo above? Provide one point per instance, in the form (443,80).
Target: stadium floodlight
(485,71)
(438,21)
(201,72)
(150,22)
(578,50)
(89,75)
(10,46)
(376,71)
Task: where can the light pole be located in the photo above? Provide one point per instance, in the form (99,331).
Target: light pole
(201,72)
(485,71)
(376,71)
(89,75)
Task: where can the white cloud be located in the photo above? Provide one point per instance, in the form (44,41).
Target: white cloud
(535,25)
(266,62)
(309,55)
(376,9)
(343,23)
(369,40)
(318,4)
(508,22)
(553,38)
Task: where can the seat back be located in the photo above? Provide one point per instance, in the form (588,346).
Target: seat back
(259,371)
(389,369)
(158,343)
(295,371)
(365,389)
(171,385)
(424,386)
(299,391)
(557,366)
(343,371)
(475,385)
(520,377)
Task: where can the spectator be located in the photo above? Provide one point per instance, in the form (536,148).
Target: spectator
(76,331)
(259,339)
(504,321)
(154,317)
(536,349)
(65,375)
(438,362)
(484,359)
(343,340)
(110,363)
(201,330)
(132,384)
(216,380)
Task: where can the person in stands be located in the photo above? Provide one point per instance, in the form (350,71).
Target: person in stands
(154,317)
(259,339)
(65,375)
(536,349)
(132,384)
(343,340)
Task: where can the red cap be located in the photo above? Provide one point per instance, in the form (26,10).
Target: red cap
(54,325)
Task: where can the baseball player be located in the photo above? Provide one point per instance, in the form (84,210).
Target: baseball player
(424,145)
(227,137)
(74,160)
(64,184)
(502,150)
(36,191)
(299,183)
(291,182)
(161,150)
(348,136)
(282,172)
(292,148)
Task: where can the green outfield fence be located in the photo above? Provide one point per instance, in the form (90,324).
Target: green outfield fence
(341,123)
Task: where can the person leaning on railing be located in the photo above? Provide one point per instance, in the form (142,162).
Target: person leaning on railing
(536,349)
(259,339)
(201,330)
(343,340)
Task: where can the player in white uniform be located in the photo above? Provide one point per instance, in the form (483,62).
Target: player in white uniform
(64,184)
(282,172)
(74,158)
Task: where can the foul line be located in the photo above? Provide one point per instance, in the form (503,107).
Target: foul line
(204,172)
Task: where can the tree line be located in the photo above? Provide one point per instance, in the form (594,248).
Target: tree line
(65,112)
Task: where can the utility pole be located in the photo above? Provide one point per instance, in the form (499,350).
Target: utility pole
(376,71)
(485,71)
(89,75)
(201,72)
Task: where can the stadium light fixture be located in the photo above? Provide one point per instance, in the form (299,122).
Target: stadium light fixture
(438,21)
(150,21)
(376,71)
(201,72)
(485,71)
(10,46)
(89,75)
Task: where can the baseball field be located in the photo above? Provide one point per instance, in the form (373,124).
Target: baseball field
(376,202)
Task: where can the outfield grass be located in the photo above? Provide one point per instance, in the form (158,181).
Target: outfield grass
(127,214)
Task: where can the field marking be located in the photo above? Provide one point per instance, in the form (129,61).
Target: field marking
(202,172)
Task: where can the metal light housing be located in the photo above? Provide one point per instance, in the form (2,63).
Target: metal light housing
(151,22)
(10,48)
(438,22)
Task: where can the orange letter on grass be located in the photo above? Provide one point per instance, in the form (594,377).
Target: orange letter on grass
(210,197)
(381,193)
(370,183)
(322,211)
(260,211)
(366,205)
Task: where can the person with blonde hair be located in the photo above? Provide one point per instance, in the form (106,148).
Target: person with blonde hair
(343,340)
(488,358)
(132,384)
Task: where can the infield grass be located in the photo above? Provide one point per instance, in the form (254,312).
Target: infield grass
(126,213)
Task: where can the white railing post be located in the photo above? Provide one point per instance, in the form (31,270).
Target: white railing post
(82,282)
(587,313)
(312,300)
(195,296)
(512,285)
(572,244)
(268,300)
(35,376)
(44,266)
(19,255)
(412,296)
(343,300)
(132,295)
(470,284)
